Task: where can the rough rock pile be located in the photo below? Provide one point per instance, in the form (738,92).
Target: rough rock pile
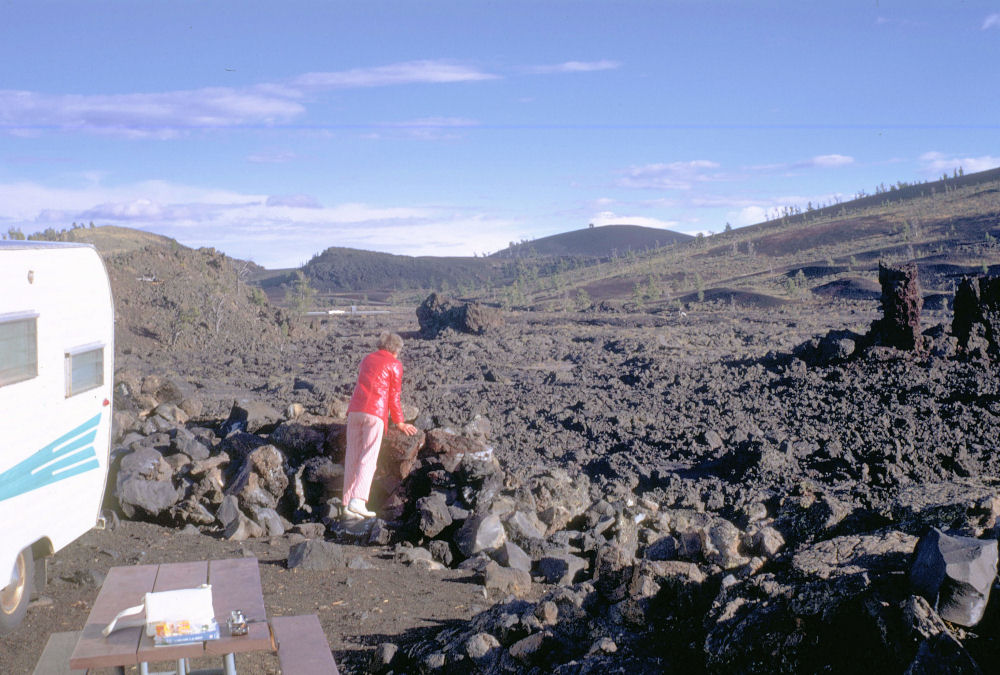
(809,581)
(660,588)
(634,504)
(976,323)
(439,313)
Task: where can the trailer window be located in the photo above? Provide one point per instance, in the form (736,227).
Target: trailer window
(18,349)
(84,369)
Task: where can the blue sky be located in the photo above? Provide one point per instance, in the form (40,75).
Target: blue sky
(273,130)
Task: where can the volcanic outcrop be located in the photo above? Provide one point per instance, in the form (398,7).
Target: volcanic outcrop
(623,508)
(976,323)
(439,313)
(902,301)
(804,580)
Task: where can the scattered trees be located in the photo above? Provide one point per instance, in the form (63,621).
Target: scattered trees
(299,294)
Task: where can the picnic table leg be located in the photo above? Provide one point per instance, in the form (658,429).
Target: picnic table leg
(181,666)
(230,662)
(143,668)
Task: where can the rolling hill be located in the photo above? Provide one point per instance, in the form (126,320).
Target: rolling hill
(595,242)
(345,272)
(948,227)
(108,239)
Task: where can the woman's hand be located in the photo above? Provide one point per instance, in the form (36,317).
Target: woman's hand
(407,429)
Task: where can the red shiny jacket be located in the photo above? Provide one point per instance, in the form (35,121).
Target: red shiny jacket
(380,382)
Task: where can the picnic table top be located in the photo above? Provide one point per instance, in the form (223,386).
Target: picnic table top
(235,585)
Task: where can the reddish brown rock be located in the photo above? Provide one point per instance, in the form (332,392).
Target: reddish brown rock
(902,301)
(398,453)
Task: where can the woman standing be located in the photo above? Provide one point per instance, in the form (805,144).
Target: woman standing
(376,398)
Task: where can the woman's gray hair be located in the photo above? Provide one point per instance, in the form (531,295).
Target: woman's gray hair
(390,342)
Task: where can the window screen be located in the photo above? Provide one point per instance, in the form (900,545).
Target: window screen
(18,349)
(84,370)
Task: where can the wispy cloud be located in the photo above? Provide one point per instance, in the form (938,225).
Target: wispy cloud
(427,128)
(272,157)
(934,163)
(992,21)
(887,21)
(410,72)
(295,201)
(574,67)
(434,123)
(157,115)
(827,161)
(751,211)
(275,230)
(817,162)
(170,114)
(672,176)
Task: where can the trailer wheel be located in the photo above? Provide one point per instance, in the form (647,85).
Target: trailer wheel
(14,598)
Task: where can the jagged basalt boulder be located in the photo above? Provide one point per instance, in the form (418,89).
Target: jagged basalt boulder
(815,617)
(316,554)
(955,574)
(433,513)
(251,416)
(977,311)
(260,481)
(902,301)
(144,485)
(439,313)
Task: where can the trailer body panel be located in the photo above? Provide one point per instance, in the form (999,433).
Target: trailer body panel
(56,378)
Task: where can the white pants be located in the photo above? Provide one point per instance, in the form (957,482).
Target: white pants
(364,438)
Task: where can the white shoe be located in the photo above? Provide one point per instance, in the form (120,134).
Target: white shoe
(358,507)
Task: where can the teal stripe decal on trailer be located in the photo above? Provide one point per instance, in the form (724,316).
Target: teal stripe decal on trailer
(68,455)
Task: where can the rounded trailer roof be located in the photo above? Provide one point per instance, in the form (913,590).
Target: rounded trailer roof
(8,245)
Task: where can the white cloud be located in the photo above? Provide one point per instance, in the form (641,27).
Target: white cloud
(271,157)
(817,162)
(672,176)
(828,161)
(611,218)
(659,203)
(992,21)
(275,231)
(574,67)
(723,201)
(165,115)
(425,129)
(158,115)
(751,211)
(435,122)
(748,215)
(299,201)
(935,163)
(412,72)
(171,114)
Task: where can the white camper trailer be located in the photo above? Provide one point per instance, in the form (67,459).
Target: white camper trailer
(56,354)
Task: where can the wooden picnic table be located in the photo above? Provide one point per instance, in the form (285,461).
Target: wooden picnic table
(235,585)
